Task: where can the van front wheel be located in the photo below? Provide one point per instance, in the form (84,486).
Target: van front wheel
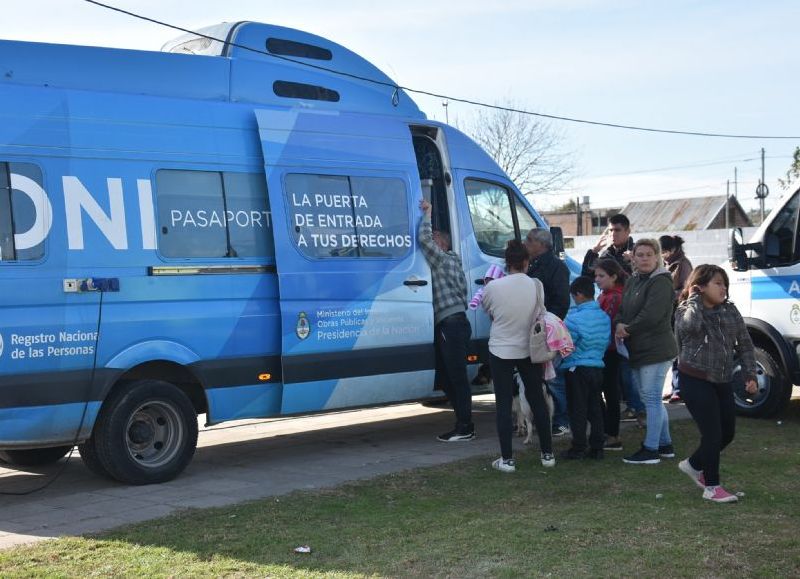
(774,388)
(146,433)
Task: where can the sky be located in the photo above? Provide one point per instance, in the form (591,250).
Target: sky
(725,66)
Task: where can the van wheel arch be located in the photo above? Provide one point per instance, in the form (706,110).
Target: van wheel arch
(775,387)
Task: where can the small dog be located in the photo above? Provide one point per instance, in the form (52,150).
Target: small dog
(521,410)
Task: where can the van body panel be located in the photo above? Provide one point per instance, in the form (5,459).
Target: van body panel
(51,425)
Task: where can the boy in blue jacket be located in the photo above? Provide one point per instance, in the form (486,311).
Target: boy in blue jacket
(590,328)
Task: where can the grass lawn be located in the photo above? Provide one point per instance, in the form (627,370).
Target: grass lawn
(598,518)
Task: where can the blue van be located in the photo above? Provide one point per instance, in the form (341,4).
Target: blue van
(219,229)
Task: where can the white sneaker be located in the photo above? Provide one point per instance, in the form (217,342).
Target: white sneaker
(548,459)
(505,465)
(695,475)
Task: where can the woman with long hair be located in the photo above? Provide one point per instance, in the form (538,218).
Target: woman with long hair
(679,268)
(710,332)
(610,278)
(644,323)
(511,303)
(675,261)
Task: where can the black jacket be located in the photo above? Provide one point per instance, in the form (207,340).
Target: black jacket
(590,259)
(554,275)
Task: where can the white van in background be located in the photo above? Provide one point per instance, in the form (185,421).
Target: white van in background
(765,286)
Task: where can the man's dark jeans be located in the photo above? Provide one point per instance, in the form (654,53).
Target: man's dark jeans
(451,338)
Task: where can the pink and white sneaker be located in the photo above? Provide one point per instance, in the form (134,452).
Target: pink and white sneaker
(695,475)
(717,494)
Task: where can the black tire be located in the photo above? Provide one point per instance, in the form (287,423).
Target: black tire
(774,388)
(34,456)
(146,433)
(88,452)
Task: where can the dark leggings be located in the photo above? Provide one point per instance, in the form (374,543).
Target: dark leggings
(714,410)
(531,374)
(611,393)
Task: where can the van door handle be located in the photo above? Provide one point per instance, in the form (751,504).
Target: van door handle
(416,282)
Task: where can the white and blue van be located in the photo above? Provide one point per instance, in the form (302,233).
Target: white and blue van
(219,229)
(765,286)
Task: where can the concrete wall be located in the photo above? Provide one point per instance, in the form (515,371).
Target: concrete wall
(709,246)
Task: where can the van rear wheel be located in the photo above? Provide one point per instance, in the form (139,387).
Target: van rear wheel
(774,388)
(34,456)
(88,452)
(146,433)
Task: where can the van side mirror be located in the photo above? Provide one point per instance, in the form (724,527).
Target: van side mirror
(736,250)
(558,241)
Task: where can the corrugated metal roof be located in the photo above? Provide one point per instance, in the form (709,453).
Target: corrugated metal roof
(691,213)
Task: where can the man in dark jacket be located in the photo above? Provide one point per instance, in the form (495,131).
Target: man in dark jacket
(548,269)
(616,243)
(554,275)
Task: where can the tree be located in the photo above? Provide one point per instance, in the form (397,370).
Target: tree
(793,174)
(569,207)
(527,148)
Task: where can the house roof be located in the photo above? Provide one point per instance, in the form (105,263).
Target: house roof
(691,213)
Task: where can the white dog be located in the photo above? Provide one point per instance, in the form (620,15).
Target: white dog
(522,413)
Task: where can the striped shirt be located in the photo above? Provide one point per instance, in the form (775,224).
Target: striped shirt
(448,280)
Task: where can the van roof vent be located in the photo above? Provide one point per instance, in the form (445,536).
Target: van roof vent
(299,90)
(284,47)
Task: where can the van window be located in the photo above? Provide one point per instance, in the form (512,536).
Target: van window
(782,245)
(340,216)
(491,211)
(525,220)
(212,214)
(18,213)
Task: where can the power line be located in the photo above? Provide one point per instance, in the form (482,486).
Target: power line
(397,88)
(699,164)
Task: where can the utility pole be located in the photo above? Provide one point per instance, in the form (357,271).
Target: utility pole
(579,230)
(736,182)
(445,104)
(762,190)
(727,198)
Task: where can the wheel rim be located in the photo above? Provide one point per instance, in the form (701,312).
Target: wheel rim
(154,434)
(747,400)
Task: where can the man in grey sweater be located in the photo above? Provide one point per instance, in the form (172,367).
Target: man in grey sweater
(451,327)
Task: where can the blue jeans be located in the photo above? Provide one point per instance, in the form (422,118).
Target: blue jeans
(629,393)
(558,390)
(649,380)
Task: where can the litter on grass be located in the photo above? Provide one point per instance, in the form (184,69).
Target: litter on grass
(302,549)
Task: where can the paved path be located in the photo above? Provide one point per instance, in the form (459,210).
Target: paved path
(244,461)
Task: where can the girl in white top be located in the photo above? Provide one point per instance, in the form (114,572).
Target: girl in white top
(511,304)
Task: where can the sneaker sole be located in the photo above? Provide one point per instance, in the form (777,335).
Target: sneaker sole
(733,499)
(457,439)
(508,470)
(612,448)
(666,455)
(648,461)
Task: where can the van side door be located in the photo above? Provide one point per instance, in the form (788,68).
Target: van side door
(355,294)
